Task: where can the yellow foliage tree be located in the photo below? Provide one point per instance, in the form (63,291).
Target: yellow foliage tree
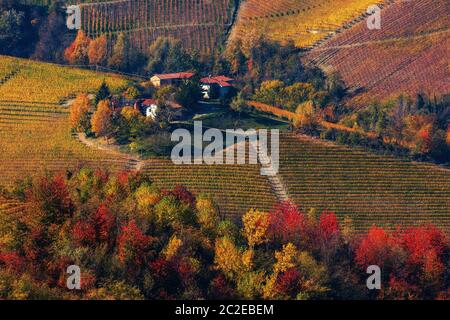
(130,114)
(146,197)
(256,225)
(172,247)
(305,115)
(78,111)
(313,276)
(286,258)
(227,257)
(207,214)
(101,120)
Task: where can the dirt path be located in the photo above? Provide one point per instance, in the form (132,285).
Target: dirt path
(134,163)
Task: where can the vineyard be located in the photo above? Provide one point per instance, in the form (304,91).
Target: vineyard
(199,24)
(408,54)
(235,188)
(304,22)
(370,189)
(34,130)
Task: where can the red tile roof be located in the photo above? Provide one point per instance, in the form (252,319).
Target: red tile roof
(220,80)
(149,102)
(173,76)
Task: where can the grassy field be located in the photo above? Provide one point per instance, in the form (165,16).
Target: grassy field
(371,189)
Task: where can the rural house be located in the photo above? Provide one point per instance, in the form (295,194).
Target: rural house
(215,87)
(159,80)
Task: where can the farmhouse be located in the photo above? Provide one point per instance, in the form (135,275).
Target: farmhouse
(159,80)
(215,87)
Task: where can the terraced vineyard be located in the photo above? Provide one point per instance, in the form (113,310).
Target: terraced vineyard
(371,189)
(407,55)
(34,129)
(304,22)
(235,188)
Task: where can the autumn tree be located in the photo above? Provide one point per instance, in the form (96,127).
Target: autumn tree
(132,244)
(79,113)
(207,213)
(77,52)
(102,120)
(227,257)
(256,226)
(120,57)
(287,223)
(50,46)
(296,275)
(97,51)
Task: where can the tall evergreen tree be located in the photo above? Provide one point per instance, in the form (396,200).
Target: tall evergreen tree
(102,93)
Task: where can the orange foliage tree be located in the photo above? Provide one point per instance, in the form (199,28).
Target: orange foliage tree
(102,120)
(97,51)
(79,112)
(77,52)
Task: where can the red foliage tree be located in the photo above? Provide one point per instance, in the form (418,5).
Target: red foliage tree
(83,233)
(374,249)
(132,244)
(52,198)
(104,221)
(287,283)
(286,222)
(183,195)
(13,261)
(328,226)
(424,246)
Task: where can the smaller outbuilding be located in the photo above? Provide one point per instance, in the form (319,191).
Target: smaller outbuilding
(159,80)
(215,87)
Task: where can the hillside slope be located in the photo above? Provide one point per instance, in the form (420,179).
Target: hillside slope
(34,129)
(35,136)
(409,54)
(303,22)
(370,189)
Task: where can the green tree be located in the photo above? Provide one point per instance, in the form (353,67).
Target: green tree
(103,93)
(188,94)
(168,55)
